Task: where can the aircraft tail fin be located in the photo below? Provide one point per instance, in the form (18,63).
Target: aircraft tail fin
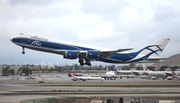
(115,68)
(74,73)
(107,69)
(174,74)
(70,75)
(145,68)
(154,50)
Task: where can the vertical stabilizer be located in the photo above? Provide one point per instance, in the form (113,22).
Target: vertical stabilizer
(69,75)
(174,75)
(145,68)
(107,69)
(153,50)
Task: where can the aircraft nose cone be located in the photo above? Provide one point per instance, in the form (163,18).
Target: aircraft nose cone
(10,39)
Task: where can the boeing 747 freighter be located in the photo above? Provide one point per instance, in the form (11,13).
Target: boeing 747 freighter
(86,54)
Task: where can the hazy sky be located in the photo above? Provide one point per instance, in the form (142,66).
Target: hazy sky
(104,23)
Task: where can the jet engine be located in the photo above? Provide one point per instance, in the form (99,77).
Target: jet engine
(71,55)
(92,54)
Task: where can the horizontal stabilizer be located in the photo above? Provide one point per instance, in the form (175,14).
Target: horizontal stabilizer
(154,59)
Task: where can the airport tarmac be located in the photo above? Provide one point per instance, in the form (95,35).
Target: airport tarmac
(58,85)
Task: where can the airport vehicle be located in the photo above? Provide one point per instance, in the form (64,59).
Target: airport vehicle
(75,78)
(175,76)
(143,76)
(169,77)
(86,53)
(30,77)
(153,78)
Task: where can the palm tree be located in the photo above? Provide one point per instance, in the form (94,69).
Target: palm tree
(6,70)
(26,70)
(12,71)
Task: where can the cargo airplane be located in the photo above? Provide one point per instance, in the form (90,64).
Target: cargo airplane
(86,54)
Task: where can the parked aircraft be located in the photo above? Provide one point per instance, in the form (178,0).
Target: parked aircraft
(110,75)
(86,53)
(175,76)
(153,73)
(77,74)
(126,73)
(75,78)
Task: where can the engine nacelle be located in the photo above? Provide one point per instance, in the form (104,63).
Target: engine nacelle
(71,55)
(92,54)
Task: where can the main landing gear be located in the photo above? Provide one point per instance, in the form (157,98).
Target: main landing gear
(81,61)
(87,62)
(23,52)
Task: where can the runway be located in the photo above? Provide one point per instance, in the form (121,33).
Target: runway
(16,88)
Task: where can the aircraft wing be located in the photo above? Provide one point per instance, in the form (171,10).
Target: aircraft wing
(109,52)
(101,52)
(168,72)
(63,52)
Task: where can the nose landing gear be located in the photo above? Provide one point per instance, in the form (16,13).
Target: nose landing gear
(23,52)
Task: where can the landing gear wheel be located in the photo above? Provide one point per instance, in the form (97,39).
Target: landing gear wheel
(87,62)
(81,61)
(23,52)
(82,64)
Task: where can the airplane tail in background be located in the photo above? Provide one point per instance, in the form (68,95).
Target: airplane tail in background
(145,68)
(115,68)
(174,75)
(154,50)
(70,75)
(74,73)
(107,69)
